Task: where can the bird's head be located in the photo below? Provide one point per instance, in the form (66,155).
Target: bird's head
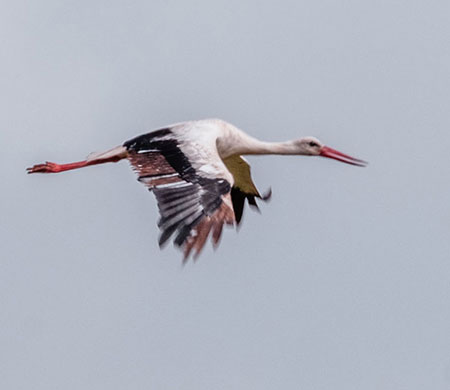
(311,146)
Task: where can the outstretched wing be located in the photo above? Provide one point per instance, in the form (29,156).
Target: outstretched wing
(191,184)
(243,187)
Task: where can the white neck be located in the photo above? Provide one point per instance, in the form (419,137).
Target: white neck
(242,144)
(262,147)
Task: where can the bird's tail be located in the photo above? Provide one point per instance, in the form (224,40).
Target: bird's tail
(113,155)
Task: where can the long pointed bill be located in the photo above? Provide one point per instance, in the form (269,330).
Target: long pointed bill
(336,155)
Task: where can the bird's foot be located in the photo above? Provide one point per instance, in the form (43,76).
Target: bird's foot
(48,167)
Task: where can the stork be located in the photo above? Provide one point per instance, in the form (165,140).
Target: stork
(198,175)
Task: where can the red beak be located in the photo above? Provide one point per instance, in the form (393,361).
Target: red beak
(334,154)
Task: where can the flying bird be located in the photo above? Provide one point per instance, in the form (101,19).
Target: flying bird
(198,175)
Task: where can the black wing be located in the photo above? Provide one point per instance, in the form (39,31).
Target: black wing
(243,187)
(190,205)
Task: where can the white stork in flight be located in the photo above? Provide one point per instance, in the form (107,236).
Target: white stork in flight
(198,175)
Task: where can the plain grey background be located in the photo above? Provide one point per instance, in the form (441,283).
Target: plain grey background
(343,282)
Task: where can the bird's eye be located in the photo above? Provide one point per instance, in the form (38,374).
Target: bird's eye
(312,144)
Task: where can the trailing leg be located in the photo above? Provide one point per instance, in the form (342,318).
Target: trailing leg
(112,155)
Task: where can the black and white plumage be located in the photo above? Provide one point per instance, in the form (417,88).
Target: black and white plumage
(198,175)
(190,203)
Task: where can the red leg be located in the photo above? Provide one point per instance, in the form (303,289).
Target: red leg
(50,167)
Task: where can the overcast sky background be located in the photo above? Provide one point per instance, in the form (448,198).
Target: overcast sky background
(343,282)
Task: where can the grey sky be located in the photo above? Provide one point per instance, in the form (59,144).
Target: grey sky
(343,282)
